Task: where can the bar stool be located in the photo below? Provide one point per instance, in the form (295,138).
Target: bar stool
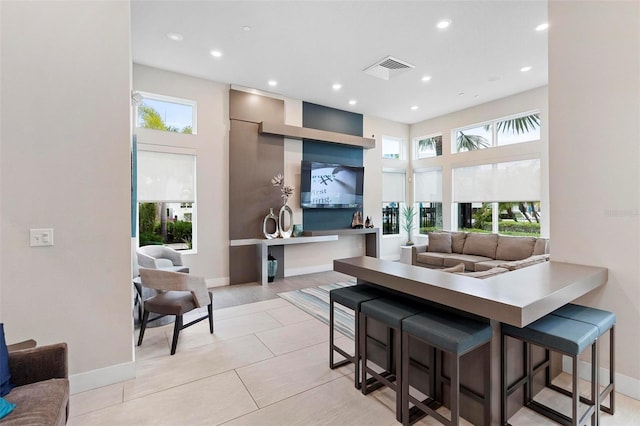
(605,321)
(350,297)
(455,335)
(390,311)
(559,334)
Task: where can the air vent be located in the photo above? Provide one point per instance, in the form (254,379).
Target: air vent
(388,67)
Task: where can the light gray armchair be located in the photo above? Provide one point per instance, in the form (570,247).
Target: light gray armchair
(160,257)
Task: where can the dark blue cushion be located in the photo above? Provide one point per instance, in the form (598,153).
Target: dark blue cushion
(352,297)
(5,374)
(604,320)
(391,310)
(450,332)
(557,333)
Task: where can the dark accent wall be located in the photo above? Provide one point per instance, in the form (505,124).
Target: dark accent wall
(254,159)
(334,120)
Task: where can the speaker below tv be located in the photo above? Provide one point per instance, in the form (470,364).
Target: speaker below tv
(331,186)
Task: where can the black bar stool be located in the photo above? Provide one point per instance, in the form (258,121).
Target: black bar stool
(605,321)
(455,335)
(390,311)
(350,297)
(559,334)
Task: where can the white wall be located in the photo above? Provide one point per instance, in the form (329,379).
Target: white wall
(528,101)
(594,104)
(211,143)
(65,164)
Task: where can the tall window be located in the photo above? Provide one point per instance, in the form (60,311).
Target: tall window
(166,199)
(504,131)
(166,113)
(392,197)
(488,197)
(428,197)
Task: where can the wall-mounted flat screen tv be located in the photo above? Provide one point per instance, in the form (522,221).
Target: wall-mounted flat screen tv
(330,186)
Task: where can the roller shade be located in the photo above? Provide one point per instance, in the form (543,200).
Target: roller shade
(428,186)
(499,182)
(166,177)
(392,187)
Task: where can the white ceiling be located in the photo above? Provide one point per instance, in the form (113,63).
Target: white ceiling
(307,46)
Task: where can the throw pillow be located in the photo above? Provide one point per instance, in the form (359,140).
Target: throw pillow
(5,373)
(458,268)
(439,242)
(5,407)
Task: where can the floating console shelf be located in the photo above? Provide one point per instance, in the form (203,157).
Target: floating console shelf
(295,132)
(371,237)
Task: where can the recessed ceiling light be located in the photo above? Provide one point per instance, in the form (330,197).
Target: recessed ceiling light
(476,96)
(337,86)
(272,83)
(175,36)
(525,69)
(441,25)
(246,28)
(461,94)
(426,78)
(353,102)
(415,107)
(216,53)
(542,27)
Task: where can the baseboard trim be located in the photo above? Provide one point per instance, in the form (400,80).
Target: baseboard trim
(218,282)
(292,272)
(624,384)
(102,377)
(391,258)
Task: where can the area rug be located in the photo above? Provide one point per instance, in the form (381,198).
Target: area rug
(315,302)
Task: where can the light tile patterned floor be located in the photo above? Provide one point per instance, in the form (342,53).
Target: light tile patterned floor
(266,364)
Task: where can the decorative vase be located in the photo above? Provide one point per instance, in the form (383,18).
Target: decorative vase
(267,218)
(285,230)
(272,268)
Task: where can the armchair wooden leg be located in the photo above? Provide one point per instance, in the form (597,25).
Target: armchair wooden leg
(210,309)
(145,318)
(176,332)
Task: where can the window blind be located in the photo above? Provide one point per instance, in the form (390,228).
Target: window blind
(166,177)
(428,186)
(392,187)
(498,182)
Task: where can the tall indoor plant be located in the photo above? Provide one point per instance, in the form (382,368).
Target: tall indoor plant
(408,213)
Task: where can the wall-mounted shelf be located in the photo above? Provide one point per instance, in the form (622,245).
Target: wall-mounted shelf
(295,132)
(371,237)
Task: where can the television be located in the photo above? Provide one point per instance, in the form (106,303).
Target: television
(330,186)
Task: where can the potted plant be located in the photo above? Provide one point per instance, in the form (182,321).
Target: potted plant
(408,215)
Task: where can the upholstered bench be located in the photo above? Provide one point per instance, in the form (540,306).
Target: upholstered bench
(455,335)
(605,321)
(559,334)
(390,311)
(352,298)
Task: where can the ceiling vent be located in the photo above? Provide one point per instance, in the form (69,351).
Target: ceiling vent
(388,67)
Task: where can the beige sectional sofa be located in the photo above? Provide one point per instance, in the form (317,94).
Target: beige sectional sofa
(481,254)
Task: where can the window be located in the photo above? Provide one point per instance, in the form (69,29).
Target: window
(428,196)
(166,113)
(393,148)
(427,147)
(392,195)
(488,194)
(516,129)
(166,199)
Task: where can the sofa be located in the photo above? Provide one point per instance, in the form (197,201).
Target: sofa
(482,255)
(41,392)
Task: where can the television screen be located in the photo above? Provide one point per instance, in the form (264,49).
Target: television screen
(324,185)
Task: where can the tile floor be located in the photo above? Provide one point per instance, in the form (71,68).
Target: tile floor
(266,364)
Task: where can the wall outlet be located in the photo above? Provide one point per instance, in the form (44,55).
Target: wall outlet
(41,237)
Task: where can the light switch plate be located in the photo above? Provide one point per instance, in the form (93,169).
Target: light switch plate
(41,237)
